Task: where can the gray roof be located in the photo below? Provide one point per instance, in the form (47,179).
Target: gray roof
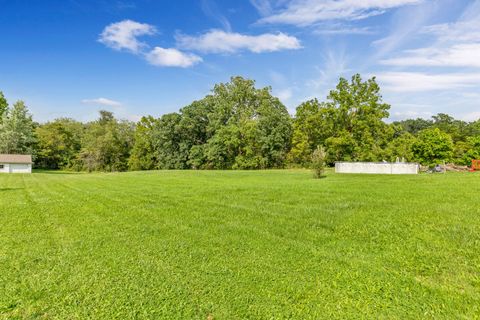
(15,158)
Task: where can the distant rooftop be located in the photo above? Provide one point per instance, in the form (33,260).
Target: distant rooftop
(15,158)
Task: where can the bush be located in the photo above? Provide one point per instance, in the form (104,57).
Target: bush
(318,162)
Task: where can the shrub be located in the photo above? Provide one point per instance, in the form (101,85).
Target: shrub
(318,162)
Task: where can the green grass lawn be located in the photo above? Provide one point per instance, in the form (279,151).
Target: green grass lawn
(238,245)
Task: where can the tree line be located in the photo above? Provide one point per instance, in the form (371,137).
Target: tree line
(239,126)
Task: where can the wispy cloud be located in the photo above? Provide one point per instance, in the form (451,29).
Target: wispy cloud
(401,32)
(210,8)
(116,107)
(455,44)
(418,82)
(218,41)
(102,102)
(452,58)
(124,35)
(335,64)
(341,29)
(309,12)
(172,58)
(263,6)
(456,55)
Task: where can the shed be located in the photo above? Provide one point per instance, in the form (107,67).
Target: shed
(15,163)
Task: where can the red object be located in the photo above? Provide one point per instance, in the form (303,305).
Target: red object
(475,165)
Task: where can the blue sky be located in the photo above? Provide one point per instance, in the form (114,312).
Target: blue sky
(70,58)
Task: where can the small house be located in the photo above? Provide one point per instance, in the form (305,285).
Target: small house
(15,163)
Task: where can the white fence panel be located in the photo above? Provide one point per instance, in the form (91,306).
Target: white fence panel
(377,167)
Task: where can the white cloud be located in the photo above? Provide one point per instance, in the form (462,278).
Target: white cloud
(308,12)
(124,34)
(218,41)
(457,55)
(410,114)
(459,31)
(417,81)
(471,116)
(102,102)
(171,58)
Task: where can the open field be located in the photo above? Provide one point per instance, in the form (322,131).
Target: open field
(239,244)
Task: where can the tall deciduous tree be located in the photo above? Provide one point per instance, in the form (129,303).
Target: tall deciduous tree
(106,144)
(59,142)
(250,128)
(171,151)
(143,155)
(350,124)
(17,130)
(313,124)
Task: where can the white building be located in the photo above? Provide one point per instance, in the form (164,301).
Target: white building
(15,163)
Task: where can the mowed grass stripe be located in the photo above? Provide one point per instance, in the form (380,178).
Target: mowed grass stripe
(236,244)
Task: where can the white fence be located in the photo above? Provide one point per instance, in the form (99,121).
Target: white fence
(377,167)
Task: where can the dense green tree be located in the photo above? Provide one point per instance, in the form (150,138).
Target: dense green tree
(17,130)
(236,127)
(195,130)
(251,128)
(473,128)
(433,146)
(361,112)
(401,148)
(312,126)
(3,105)
(413,126)
(106,144)
(472,151)
(143,155)
(58,143)
(350,124)
(171,152)
(239,126)
(457,129)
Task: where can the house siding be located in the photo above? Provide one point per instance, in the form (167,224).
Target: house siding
(16,168)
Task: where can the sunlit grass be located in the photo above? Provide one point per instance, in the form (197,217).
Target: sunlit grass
(239,244)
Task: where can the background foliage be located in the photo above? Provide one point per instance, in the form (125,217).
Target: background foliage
(239,126)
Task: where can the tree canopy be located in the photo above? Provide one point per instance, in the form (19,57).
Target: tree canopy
(240,126)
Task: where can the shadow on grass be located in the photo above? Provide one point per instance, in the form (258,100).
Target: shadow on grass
(54,171)
(10,189)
